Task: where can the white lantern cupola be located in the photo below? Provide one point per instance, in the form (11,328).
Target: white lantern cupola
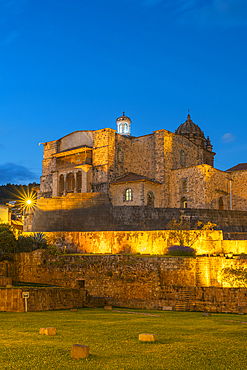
(123,125)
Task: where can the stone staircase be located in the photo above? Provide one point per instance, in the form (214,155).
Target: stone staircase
(183,299)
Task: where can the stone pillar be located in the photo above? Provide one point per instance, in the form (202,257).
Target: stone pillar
(75,188)
(84,182)
(64,190)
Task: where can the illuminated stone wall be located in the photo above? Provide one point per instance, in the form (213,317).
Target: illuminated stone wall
(205,185)
(44,299)
(239,191)
(139,191)
(151,242)
(48,166)
(135,281)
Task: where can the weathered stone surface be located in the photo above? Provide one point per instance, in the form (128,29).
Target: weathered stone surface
(207,314)
(48,331)
(79,351)
(167,308)
(147,337)
(73,309)
(5,281)
(108,308)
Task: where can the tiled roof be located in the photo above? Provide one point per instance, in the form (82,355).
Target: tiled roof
(132,177)
(238,167)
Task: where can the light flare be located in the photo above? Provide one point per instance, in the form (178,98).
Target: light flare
(27,199)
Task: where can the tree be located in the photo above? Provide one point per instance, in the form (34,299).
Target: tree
(7,241)
(182,233)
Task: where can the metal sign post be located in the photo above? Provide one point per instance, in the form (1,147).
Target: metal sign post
(25,295)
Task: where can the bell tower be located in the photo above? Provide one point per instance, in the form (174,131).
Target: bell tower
(123,125)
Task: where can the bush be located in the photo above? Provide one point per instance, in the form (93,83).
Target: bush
(178,250)
(25,244)
(31,242)
(233,277)
(7,241)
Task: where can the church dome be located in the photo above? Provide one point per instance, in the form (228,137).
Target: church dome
(189,128)
(123,118)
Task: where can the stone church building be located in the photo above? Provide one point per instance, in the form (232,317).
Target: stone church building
(159,170)
(162,169)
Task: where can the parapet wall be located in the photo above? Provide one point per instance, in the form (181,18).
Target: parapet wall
(94,212)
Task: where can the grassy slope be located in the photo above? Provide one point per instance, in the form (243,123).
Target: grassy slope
(184,340)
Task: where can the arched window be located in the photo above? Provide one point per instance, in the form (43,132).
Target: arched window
(79,181)
(126,127)
(182,158)
(128,195)
(183,186)
(221,204)
(70,183)
(150,200)
(61,184)
(183,202)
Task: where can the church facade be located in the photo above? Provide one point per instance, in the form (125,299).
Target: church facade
(160,170)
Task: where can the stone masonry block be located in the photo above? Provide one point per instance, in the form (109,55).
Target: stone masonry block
(167,308)
(147,337)
(108,308)
(79,351)
(47,331)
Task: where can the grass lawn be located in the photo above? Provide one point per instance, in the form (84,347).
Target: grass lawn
(183,340)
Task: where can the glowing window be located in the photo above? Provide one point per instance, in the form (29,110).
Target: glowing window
(183,202)
(128,195)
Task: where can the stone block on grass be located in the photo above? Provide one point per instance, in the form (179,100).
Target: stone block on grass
(167,308)
(48,331)
(79,351)
(73,309)
(207,314)
(144,337)
(108,308)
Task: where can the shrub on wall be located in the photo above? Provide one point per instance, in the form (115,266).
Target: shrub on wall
(178,250)
(184,233)
(233,277)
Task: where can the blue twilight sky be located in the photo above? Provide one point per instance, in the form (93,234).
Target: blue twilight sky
(78,64)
